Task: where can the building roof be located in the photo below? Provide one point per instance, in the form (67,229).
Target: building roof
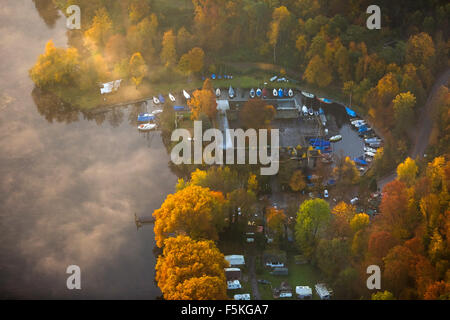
(235,260)
(303,290)
(322,290)
(232,269)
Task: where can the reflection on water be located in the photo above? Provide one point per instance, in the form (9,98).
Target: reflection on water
(70,182)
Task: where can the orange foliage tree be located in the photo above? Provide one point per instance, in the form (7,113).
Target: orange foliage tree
(195,211)
(256,114)
(191,270)
(203,101)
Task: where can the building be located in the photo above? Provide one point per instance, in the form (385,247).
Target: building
(232,274)
(280,272)
(303,292)
(233,285)
(235,260)
(322,291)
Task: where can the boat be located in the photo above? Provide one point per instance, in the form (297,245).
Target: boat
(264,93)
(273,78)
(275,92)
(325,100)
(308,95)
(155,100)
(258,92)
(305,110)
(157,111)
(364,128)
(186,95)
(171,97)
(178,108)
(370,154)
(145,117)
(231,92)
(290,93)
(374,144)
(280,93)
(356,121)
(218,92)
(372,140)
(336,138)
(146,126)
(252,93)
(311,111)
(360,161)
(368,149)
(350,112)
(285,92)
(316,142)
(161,98)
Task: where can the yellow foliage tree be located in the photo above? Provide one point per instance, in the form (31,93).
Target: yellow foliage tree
(169,51)
(191,270)
(192,62)
(203,102)
(195,211)
(407,171)
(138,68)
(275,220)
(359,222)
(297,182)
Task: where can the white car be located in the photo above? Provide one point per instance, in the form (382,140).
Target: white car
(354,200)
(325,193)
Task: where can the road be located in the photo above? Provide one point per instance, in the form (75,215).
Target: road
(424,127)
(252,276)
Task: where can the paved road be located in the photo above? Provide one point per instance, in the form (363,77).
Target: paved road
(424,127)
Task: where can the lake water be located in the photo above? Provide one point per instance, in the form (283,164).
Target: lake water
(69,187)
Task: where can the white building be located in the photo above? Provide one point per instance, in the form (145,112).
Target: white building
(322,291)
(235,260)
(244,296)
(303,292)
(233,285)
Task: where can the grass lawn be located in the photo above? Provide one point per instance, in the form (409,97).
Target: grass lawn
(299,275)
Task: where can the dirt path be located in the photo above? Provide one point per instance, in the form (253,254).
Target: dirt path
(424,127)
(253,280)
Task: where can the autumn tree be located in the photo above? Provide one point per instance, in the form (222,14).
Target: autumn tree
(203,101)
(383,295)
(276,219)
(420,50)
(100,30)
(407,171)
(195,211)
(256,114)
(138,68)
(380,242)
(346,173)
(192,62)
(169,51)
(55,66)
(332,256)
(339,226)
(403,105)
(313,217)
(297,182)
(317,72)
(359,222)
(191,270)
(280,17)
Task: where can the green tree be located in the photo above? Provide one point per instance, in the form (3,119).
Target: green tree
(313,217)
(403,105)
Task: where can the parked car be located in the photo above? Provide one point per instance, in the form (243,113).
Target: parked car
(354,200)
(263,281)
(325,193)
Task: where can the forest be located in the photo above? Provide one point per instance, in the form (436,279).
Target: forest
(325,46)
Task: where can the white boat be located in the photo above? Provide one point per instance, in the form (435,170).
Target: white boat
(157,111)
(258,92)
(252,93)
(146,126)
(231,92)
(218,92)
(311,111)
(308,95)
(171,97)
(275,92)
(273,78)
(336,138)
(368,149)
(372,140)
(370,154)
(290,93)
(155,100)
(186,95)
(305,110)
(357,121)
(359,124)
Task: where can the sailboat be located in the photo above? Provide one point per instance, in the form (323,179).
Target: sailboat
(146,126)
(231,93)
(186,95)
(171,97)
(275,92)
(290,93)
(258,92)
(218,92)
(252,93)
(155,100)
